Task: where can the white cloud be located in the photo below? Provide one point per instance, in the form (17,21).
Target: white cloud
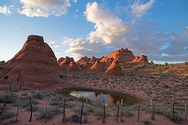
(139,9)
(44,8)
(108,27)
(5,10)
(74,1)
(54,44)
(140,36)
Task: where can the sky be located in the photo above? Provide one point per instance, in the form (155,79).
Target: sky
(76,28)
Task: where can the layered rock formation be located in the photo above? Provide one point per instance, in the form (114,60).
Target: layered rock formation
(34,63)
(142,59)
(121,55)
(64,62)
(83,59)
(114,69)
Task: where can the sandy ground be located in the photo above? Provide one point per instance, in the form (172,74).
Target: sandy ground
(136,86)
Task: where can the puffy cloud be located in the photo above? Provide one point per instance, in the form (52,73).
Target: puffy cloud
(108,27)
(5,10)
(140,9)
(44,8)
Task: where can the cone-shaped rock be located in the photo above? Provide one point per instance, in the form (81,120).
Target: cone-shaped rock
(114,69)
(73,66)
(34,63)
(98,67)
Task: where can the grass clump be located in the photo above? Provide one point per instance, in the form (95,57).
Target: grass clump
(7,114)
(41,94)
(49,113)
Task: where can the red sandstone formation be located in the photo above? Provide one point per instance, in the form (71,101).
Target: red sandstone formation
(34,63)
(64,62)
(142,59)
(93,59)
(98,67)
(114,69)
(73,66)
(121,55)
(83,59)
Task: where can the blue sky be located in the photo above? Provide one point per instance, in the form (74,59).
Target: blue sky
(75,28)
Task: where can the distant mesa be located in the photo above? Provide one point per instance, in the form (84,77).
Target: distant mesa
(34,63)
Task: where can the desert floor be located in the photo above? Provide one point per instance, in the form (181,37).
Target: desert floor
(161,88)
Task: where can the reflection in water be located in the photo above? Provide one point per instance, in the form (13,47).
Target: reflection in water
(97,97)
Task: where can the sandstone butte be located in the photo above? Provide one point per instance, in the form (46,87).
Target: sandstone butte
(122,56)
(114,69)
(142,59)
(34,63)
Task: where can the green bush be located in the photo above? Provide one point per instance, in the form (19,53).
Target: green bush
(98,112)
(51,112)
(147,122)
(11,97)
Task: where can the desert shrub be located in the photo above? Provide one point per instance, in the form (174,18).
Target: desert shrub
(14,90)
(127,111)
(86,110)
(51,112)
(35,108)
(167,111)
(7,114)
(26,102)
(165,86)
(41,94)
(147,122)
(11,97)
(24,88)
(24,94)
(98,111)
(57,100)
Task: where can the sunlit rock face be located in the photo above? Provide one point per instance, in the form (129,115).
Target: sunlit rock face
(114,69)
(122,56)
(142,59)
(98,67)
(34,63)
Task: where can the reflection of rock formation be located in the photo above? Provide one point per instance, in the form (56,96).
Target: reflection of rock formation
(96,93)
(113,99)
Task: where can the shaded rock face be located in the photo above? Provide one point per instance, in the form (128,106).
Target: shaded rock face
(114,69)
(142,59)
(97,67)
(122,56)
(34,63)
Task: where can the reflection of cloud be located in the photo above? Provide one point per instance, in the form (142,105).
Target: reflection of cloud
(5,10)
(44,8)
(140,9)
